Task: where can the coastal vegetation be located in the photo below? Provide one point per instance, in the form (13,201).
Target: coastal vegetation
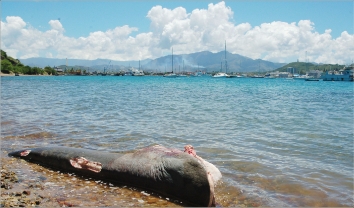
(303,67)
(11,65)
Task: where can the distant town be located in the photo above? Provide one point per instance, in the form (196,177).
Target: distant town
(294,70)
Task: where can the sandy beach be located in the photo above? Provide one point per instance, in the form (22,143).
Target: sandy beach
(6,75)
(12,75)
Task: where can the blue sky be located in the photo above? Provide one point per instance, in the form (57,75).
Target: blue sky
(80,18)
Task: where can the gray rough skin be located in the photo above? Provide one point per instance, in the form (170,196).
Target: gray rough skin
(169,172)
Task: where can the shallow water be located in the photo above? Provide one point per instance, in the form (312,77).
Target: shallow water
(277,142)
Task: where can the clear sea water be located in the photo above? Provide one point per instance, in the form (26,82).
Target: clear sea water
(279,142)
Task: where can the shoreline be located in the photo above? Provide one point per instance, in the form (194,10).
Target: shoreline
(22,75)
(27,184)
(37,185)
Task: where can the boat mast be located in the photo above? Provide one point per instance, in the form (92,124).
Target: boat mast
(225,59)
(259,66)
(306,63)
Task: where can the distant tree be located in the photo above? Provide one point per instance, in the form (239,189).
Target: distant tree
(28,70)
(54,72)
(3,54)
(17,69)
(37,70)
(49,70)
(6,66)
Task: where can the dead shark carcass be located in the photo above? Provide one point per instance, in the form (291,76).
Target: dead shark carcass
(169,172)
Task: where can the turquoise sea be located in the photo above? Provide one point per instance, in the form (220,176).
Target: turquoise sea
(279,142)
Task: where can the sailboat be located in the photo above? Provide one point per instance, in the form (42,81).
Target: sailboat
(222,74)
(198,73)
(104,72)
(137,72)
(237,75)
(259,69)
(182,74)
(171,75)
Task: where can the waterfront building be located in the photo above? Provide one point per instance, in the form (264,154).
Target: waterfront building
(346,74)
(315,73)
(284,74)
(291,70)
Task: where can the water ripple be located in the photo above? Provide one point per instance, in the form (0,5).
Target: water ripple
(276,141)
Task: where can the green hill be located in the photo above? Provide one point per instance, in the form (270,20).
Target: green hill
(10,65)
(303,67)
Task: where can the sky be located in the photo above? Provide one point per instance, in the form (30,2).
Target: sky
(277,30)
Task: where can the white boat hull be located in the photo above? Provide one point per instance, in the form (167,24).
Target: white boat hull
(221,75)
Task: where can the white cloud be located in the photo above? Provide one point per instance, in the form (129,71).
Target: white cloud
(202,29)
(11,30)
(56,25)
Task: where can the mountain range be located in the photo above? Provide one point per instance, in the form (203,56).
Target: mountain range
(202,61)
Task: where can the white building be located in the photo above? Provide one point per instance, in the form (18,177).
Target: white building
(284,74)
